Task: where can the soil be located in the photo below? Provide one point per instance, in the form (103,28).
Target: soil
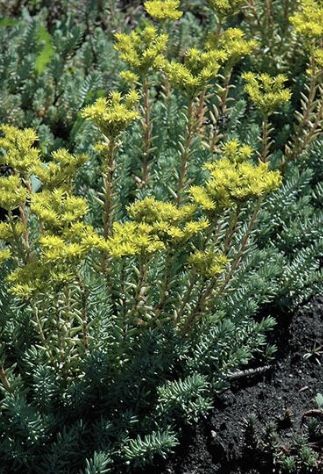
(232,439)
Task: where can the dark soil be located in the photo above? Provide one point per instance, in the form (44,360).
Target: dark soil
(233,438)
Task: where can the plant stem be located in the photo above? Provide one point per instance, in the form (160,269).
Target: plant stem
(305,128)
(84,299)
(222,109)
(265,142)
(108,187)
(147,129)
(204,295)
(185,152)
(139,296)
(4,380)
(165,283)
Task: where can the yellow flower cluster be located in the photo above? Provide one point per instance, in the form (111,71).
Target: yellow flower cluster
(142,49)
(5,254)
(26,280)
(155,224)
(12,193)
(225,7)
(233,42)
(113,115)
(308,20)
(198,69)
(58,258)
(163,10)
(168,221)
(61,170)
(234,179)
(265,91)
(19,151)
(208,262)
(58,209)
(236,152)
(308,23)
(11,230)
(132,238)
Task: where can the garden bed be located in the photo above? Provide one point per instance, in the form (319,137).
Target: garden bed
(223,443)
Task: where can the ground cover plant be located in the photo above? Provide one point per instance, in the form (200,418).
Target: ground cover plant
(160,196)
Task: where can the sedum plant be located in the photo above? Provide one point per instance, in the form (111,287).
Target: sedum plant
(129,298)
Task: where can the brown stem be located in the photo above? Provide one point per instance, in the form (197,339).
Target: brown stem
(231,229)
(299,143)
(222,109)
(165,284)
(265,143)
(147,129)
(108,187)
(84,312)
(185,155)
(139,297)
(4,380)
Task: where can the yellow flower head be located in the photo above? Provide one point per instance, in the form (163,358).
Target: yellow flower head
(58,209)
(142,49)
(113,115)
(235,151)
(234,179)
(163,10)
(12,230)
(198,69)
(151,210)
(61,170)
(5,254)
(265,91)
(208,262)
(225,7)
(308,20)
(25,281)
(19,151)
(233,42)
(132,238)
(57,249)
(169,222)
(12,193)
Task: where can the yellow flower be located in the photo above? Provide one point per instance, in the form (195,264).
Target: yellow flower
(61,170)
(233,179)
(58,209)
(208,262)
(198,69)
(129,77)
(142,49)
(5,254)
(202,199)
(19,151)
(132,238)
(9,231)
(113,115)
(25,281)
(308,20)
(163,10)
(56,249)
(225,7)
(232,41)
(234,151)
(12,193)
(266,92)
(151,210)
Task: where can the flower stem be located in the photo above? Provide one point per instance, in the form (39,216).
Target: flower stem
(185,151)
